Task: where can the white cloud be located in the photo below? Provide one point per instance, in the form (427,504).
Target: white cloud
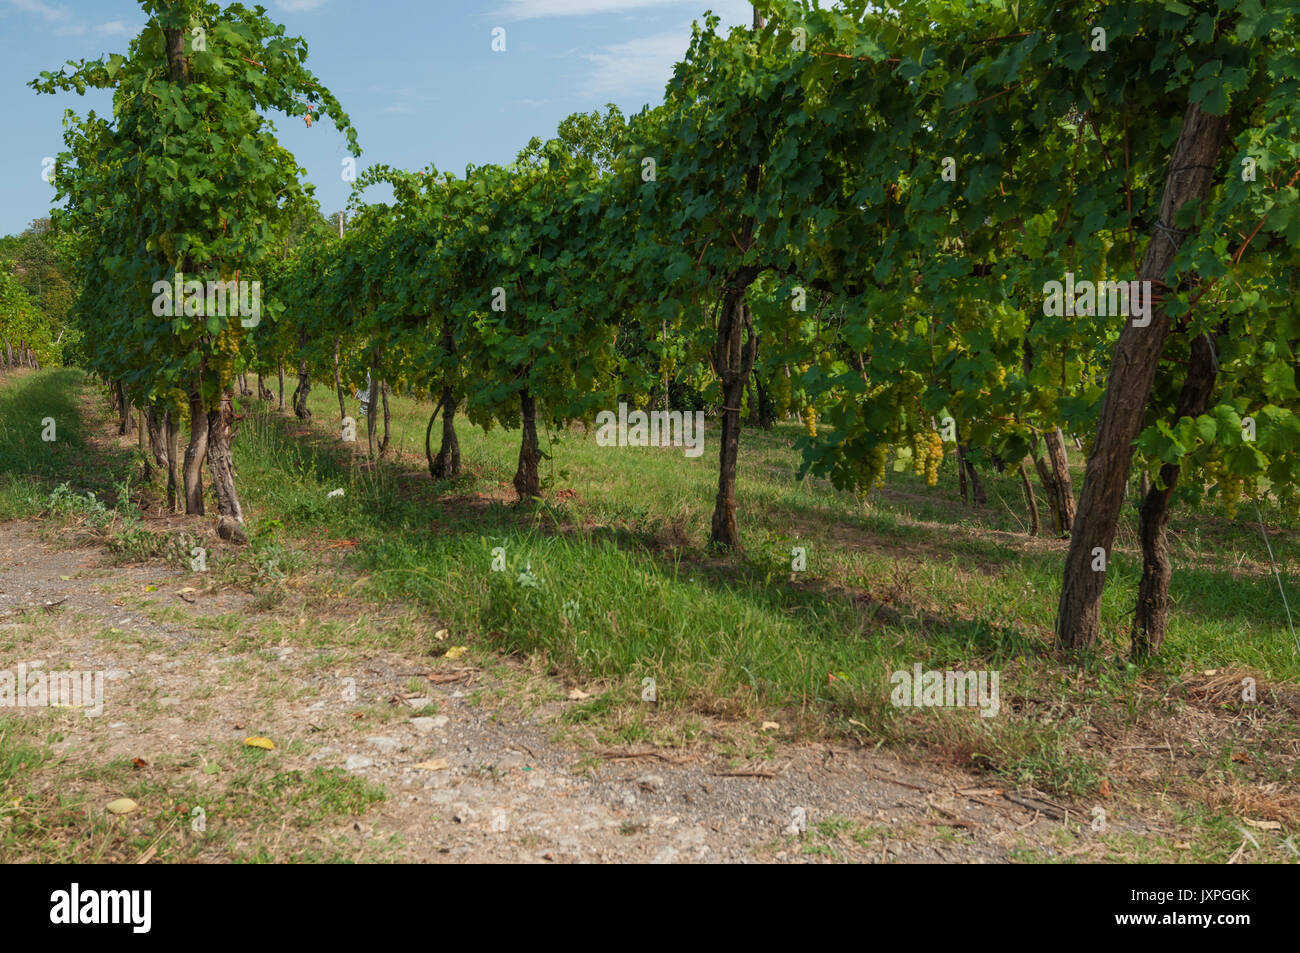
(535,9)
(65,24)
(640,66)
(48,13)
(731,11)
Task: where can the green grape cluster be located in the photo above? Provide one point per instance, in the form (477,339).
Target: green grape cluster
(781,393)
(927,454)
(225,351)
(1231,486)
(874,469)
(810,420)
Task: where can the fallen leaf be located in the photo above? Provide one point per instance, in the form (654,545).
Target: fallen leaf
(979,792)
(443,678)
(1212,671)
(65,578)
(1263,825)
(1182,846)
(577,694)
(123,805)
(1104,788)
(456,651)
(437,764)
(266,743)
(150,588)
(441,635)
(1241,757)
(770,726)
(139,762)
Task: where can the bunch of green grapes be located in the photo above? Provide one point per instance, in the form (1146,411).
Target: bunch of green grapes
(781,393)
(927,454)
(1230,485)
(225,350)
(920,450)
(810,420)
(873,470)
(934,458)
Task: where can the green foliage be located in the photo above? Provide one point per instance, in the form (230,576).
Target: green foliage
(22,319)
(186,178)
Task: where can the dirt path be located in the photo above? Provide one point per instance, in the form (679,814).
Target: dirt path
(469,773)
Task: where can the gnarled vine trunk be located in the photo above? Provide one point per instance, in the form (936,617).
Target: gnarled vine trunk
(1054,474)
(196,452)
(1132,374)
(172,433)
(446,465)
(1031,501)
(383,395)
(1062,483)
(967,474)
(304,381)
(157,439)
(428,440)
(733,361)
(142,445)
(1151,617)
(528,478)
(221,463)
(338,384)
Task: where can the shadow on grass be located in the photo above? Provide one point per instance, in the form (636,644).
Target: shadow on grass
(36,406)
(423,517)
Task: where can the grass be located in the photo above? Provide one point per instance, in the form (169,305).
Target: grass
(237,816)
(34,406)
(607,582)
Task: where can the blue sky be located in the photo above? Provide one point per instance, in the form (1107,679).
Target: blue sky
(418,78)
